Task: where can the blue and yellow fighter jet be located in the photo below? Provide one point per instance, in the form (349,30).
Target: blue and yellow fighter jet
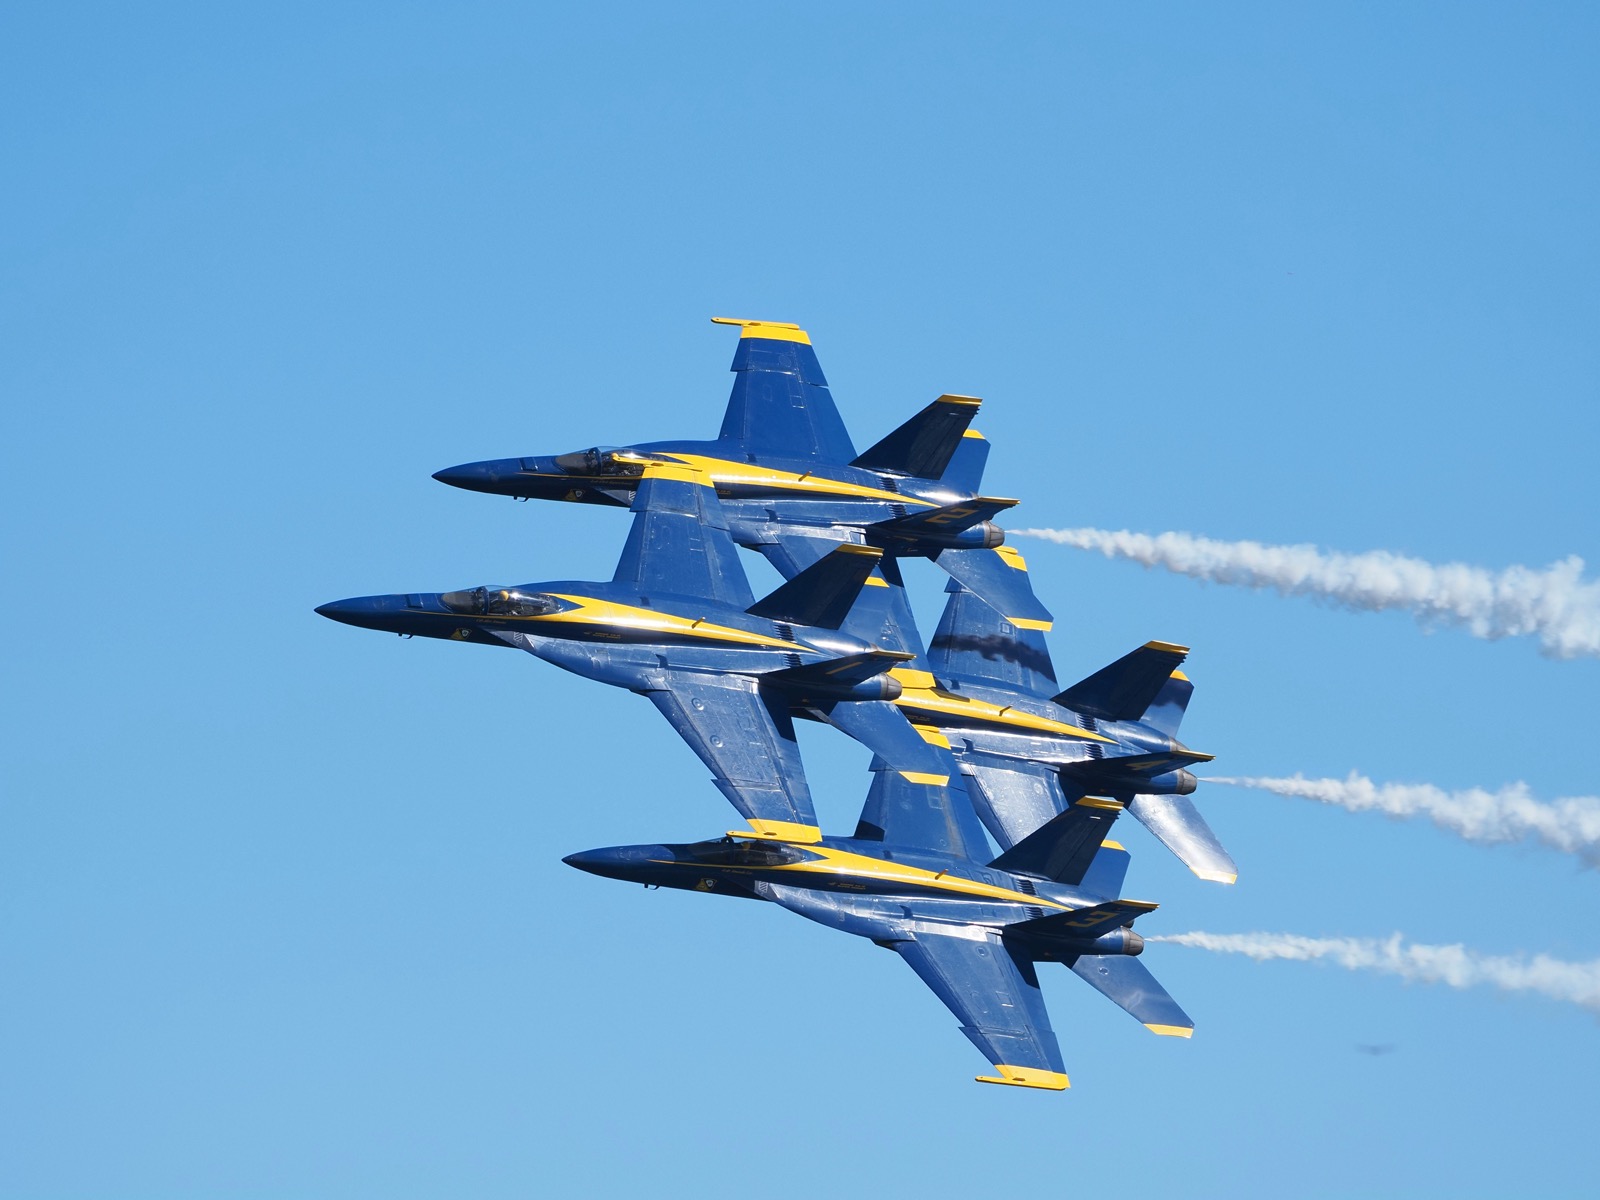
(916,879)
(1029,749)
(678,624)
(792,483)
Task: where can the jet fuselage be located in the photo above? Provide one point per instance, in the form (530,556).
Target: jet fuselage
(860,887)
(757,497)
(603,631)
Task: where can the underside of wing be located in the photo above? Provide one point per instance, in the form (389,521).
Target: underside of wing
(1013,800)
(748,742)
(780,406)
(995,995)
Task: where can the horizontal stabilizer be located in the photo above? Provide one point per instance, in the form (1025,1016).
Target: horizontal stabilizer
(1130,768)
(1082,924)
(1064,846)
(943,522)
(1128,984)
(1122,691)
(1181,828)
(923,446)
(838,676)
(999,578)
(822,594)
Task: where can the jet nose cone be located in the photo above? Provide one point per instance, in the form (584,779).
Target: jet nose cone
(338,610)
(480,476)
(618,862)
(585,860)
(368,612)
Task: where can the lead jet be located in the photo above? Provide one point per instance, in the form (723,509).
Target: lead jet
(1030,749)
(917,879)
(791,482)
(678,624)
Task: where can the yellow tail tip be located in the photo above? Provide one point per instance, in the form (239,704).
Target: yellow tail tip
(778,331)
(1031,1077)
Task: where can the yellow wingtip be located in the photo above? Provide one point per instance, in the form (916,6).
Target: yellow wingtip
(1217,876)
(1182,1031)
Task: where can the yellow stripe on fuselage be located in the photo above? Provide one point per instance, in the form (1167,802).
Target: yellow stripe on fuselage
(843,864)
(725,473)
(604,614)
(921,694)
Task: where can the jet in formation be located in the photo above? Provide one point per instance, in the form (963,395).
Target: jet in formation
(1029,748)
(973,735)
(792,484)
(916,878)
(677,623)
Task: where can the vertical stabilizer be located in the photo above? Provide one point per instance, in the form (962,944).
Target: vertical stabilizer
(780,406)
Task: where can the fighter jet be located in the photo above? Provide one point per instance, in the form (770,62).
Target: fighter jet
(1029,749)
(792,484)
(678,624)
(916,878)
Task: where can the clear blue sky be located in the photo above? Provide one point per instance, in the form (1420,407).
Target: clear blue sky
(282,911)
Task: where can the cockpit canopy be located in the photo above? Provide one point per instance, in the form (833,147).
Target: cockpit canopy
(598,460)
(501,602)
(729,852)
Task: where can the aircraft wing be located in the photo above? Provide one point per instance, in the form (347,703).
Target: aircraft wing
(996,997)
(780,406)
(748,742)
(679,542)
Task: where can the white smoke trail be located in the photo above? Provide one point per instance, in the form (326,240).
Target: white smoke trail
(1555,604)
(1571,825)
(1455,966)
